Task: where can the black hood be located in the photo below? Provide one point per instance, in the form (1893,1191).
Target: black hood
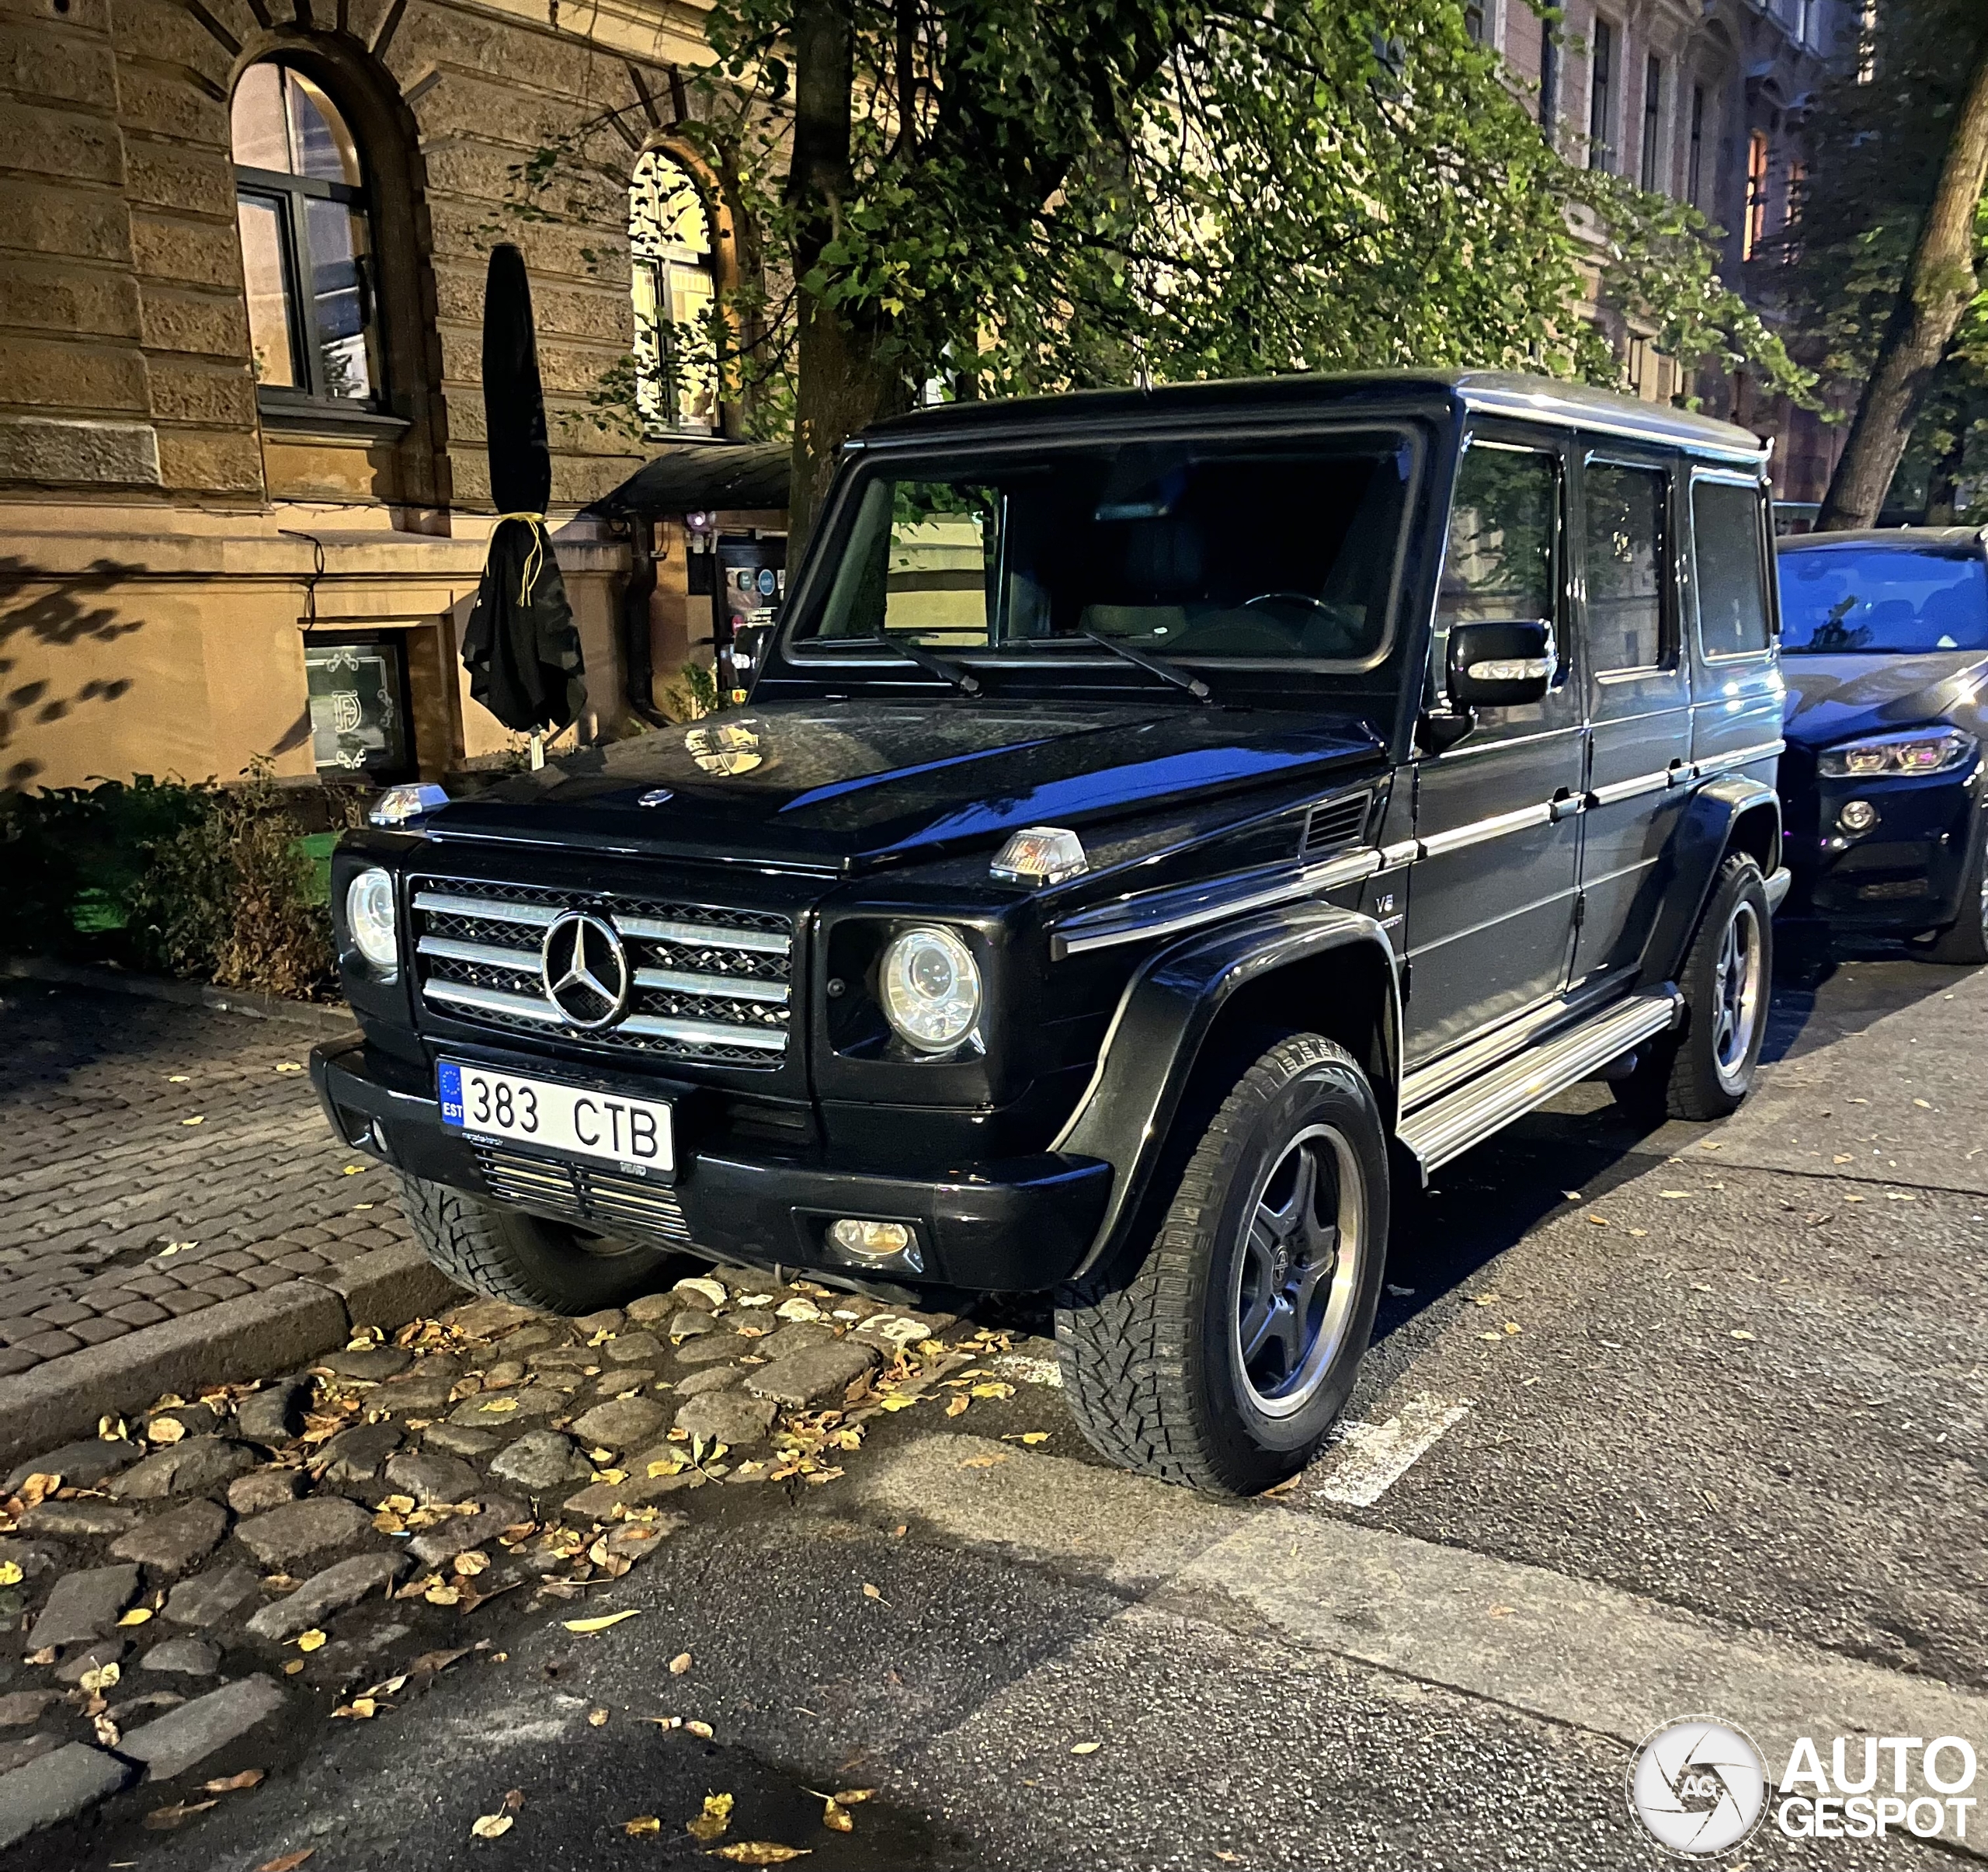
(847,785)
(1830,699)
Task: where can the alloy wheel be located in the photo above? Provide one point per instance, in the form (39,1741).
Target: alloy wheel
(1738,983)
(1298,1276)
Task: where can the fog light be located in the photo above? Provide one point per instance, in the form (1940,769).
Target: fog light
(1857,815)
(870,1241)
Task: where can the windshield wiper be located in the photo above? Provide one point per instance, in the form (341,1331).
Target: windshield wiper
(1155,666)
(964,680)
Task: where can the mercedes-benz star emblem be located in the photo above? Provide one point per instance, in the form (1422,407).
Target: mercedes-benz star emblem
(586,970)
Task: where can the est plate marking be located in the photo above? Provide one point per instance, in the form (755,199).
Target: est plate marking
(575,1121)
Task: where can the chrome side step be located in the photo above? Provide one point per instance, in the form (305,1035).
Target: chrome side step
(1448,1126)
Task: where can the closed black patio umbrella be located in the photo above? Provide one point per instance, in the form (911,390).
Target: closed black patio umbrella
(521,649)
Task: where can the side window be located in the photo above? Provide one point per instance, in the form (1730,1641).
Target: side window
(1502,562)
(918,564)
(1728,568)
(1623,529)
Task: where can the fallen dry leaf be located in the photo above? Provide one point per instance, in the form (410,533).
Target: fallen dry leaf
(642,1826)
(1086,1748)
(313,1640)
(596,1719)
(761,1853)
(838,1818)
(288,1863)
(680,1664)
(234,1783)
(869,1592)
(359,1709)
(160,1818)
(585,1626)
(956,1406)
(491,1826)
(443,1596)
(711,1822)
(693,1726)
(470,1563)
(984,1462)
(437,1660)
(101,1679)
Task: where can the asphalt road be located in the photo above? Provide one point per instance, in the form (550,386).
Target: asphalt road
(1733,1450)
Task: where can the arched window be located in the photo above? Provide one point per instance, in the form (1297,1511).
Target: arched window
(307,250)
(675,291)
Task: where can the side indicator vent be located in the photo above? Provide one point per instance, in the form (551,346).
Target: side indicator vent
(1333,824)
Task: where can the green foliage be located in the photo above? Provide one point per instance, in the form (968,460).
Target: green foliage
(691,694)
(1043,194)
(200,881)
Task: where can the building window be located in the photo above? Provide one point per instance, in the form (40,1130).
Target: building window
(1652,106)
(1601,99)
(1694,170)
(1755,230)
(1476,21)
(675,297)
(358,693)
(307,248)
(1549,81)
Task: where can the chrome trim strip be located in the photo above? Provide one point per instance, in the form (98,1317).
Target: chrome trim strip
(705,935)
(736,988)
(1617,791)
(520,1007)
(1145,919)
(541,916)
(526,961)
(1480,831)
(708,1033)
(1742,757)
(1423,1083)
(1452,1125)
(1403,851)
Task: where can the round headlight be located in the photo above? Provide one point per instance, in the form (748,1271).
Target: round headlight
(931,989)
(369,914)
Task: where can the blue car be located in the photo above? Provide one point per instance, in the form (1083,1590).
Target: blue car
(1884,648)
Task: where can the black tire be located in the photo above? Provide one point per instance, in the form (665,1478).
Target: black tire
(510,1256)
(1153,1364)
(1965,944)
(1705,1069)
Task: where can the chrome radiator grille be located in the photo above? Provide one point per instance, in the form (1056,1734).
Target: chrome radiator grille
(706,984)
(603,1200)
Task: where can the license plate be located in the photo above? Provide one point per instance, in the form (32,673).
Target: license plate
(575,1121)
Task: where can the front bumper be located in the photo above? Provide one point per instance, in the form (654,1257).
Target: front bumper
(1907,873)
(1013,1225)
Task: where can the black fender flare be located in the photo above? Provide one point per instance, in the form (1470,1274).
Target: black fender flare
(1163,1018)
(1697,847)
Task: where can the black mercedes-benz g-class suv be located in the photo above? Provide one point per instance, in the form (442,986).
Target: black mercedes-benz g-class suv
(1163,821)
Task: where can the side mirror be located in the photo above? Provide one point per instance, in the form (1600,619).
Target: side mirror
(1499,665)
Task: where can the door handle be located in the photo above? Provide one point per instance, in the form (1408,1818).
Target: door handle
(1565,804)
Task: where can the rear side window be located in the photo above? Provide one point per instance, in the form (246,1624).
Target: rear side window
(1729,568)
(1625,552)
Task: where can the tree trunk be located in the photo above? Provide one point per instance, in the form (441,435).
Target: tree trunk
(844,382)
(1937,287)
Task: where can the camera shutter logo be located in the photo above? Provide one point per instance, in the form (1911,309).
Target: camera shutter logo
(586,970)
(1698,1786)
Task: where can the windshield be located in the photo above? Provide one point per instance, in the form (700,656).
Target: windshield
(1176,549)
(1840,600)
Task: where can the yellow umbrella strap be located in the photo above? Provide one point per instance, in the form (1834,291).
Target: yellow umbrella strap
(535,560)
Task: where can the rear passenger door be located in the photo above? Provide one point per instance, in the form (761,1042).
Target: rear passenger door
(1737,687)
(1639,699)
(1491,899)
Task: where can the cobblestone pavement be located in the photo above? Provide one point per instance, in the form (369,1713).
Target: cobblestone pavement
(160,1159)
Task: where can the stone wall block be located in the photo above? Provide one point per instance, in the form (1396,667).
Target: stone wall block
(191,181)
(94,379)
(43,141)
(60,295)
(197,253)
(202,462)
(209,325)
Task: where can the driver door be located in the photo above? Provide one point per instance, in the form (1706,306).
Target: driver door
(1491,914)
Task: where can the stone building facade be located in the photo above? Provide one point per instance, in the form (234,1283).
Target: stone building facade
(1702,100)
(243,494)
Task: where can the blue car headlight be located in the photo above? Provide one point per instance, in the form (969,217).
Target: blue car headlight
(1932,749)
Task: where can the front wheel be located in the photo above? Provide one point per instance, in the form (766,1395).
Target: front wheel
(1707,1070)
(511,1256)
(1221,1359)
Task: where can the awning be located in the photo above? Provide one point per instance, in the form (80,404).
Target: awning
(703,477)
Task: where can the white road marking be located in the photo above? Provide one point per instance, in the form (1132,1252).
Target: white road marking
(1031,1371)
(1373,1457)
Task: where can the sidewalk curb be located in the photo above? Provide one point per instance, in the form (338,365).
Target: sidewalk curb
(257,1335)
(330,1017)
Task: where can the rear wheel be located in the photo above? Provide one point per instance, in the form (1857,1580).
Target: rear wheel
(511,1256)
(1966,942)
(1221,1357)
(1706,1070)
